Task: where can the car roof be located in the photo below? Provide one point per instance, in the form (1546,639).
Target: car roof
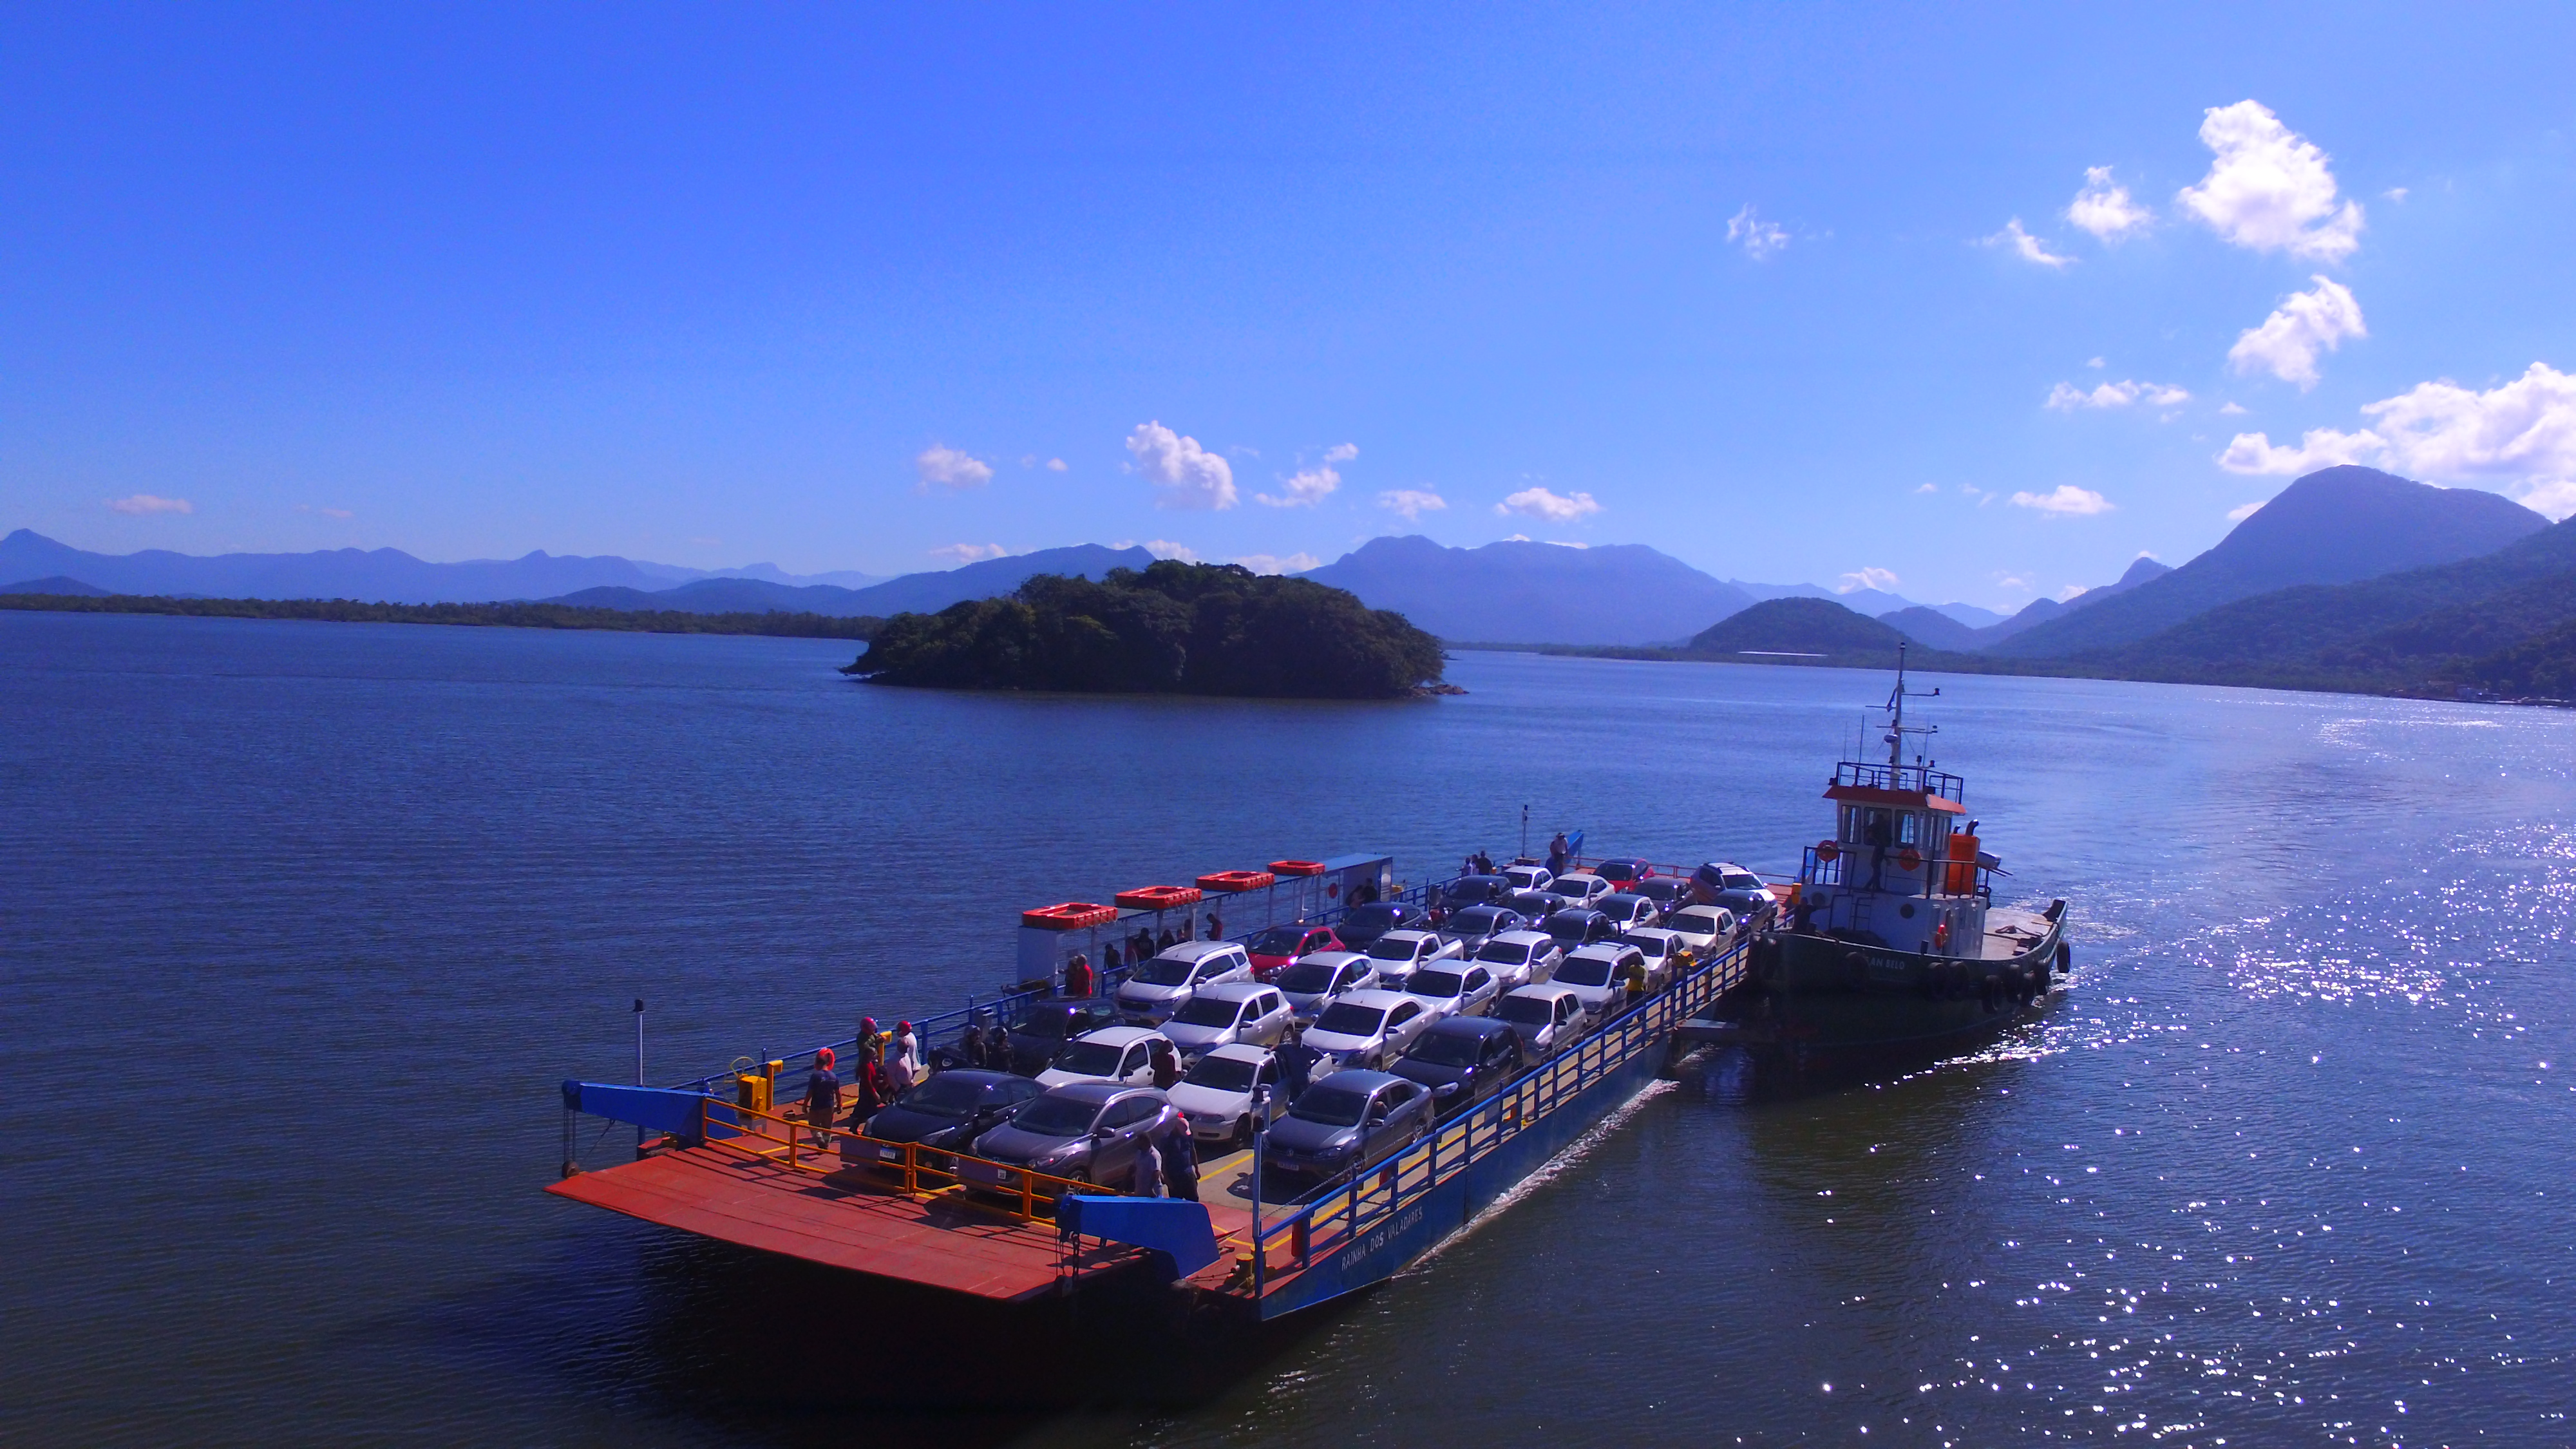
(1371,996)
(1332,958)
(1625,896)
(1361,1079)
(1120,1035)
(1580,875)
(1194,950)
(1240,1052)
(1574,911)
(1609,949)
(1702,910)
(1544,991)
(1524,938)
(1476,1026)
(1413,931)
(1093,1094)
(1658,932)
(1235,990)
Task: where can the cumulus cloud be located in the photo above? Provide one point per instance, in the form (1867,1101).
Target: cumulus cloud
(1309,486)
(1867,578)
(2518,436)
(143,504)
(1165,548)
(2305,324)
(1760,239)
(2066,397)
(966,553)
(1566,543)
(1271,563)
(2321,448)
(1187,475)
(946,467)
(2232,410)
(1055,465)
(1411,502)
(1540,503)
(2269,188)
(2105,209)
(1928,488)
(2025,246)
(2244,511)
(2067,501)
(2071,593)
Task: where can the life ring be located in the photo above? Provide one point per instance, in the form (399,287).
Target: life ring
(1827,851)
(1909,859)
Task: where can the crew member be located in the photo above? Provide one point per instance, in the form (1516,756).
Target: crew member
(822,1097)
(1181,1162)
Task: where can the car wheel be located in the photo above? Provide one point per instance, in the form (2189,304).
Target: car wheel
(1242,1133)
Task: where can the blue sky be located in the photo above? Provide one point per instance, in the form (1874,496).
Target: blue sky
(832,287)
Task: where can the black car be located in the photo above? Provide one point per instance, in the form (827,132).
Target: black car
(1043,1031)
(950,1110)
(1580,927)
(1476,925)
(1342,1124)
(1462,1060)
(1360,926)
(1669,892)
(1475,890)
(1533,905)
(1739,890)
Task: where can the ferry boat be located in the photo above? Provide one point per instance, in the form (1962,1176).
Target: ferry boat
(1892,948)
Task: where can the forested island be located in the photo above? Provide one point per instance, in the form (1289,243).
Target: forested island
(515,616)
(1171,628)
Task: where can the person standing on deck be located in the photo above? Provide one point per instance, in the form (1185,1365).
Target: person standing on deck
(1109,958)
(1296,1063)
(822,1097)
(1077,976)
(1557,851)
(1181,1163)
(903,1060)
(1149,1168)
(1167,940)
(1216,926)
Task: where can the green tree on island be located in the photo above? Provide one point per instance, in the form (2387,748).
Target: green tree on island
(1173,628)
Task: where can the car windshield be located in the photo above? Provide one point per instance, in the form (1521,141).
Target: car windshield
(1385,950)
(1222,1074)
(1378,916)
(1652,947)
(1349,1018)
(1054,1117)
(1743,882)
(1525,1010)
(1445,1051)
(1279,941)
(1331,1106)
(1570,925)
(944,1095)
(1584,971)
(1090,1059)
(1435,983)
(1159,972)
(1700,919)
(1307,979)
(1207,1011)
(1505,953)
(1475,921)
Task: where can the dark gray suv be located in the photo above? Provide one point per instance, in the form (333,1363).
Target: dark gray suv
(1087,1131)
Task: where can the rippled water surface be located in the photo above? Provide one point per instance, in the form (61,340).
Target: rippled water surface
(303,922)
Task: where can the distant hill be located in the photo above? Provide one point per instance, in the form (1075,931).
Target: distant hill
(1873,602)
(2039,611)
(1534,593)
(382,574)
(2334,526)
(58,587)
(922,593)
(1794,626)
(1931,626)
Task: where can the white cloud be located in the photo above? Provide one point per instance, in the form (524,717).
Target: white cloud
(142,504)
(1928,488)
(2287,343)
(966,553)
(2231,410)
(2068,501)
(1165,548)
(2013,581)
(2104,208)
(1518,538)
(1760,239)
(2025,246)
(2395,193)
(949,468)
(2321,448)
(2093,362)
(1867,578)
(2066,398)
(1566,543)
(2269,188)
(1411,502)
(1309,486)
(1055,465)
(2244,511)
(1540,503)
(2072,592)
(1188,475)
(1271,563)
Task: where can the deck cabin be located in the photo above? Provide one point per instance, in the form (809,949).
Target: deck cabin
(1901,869)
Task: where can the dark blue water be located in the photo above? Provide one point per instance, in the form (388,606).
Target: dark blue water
(303,922)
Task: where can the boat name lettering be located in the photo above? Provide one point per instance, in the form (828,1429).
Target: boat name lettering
(1378,1239)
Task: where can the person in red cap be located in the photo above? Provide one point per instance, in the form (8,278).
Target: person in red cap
(822,1097)
(867,1075)
(902,1060)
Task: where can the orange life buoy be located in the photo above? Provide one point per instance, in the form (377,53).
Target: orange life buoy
(1827,851)
(1909,859)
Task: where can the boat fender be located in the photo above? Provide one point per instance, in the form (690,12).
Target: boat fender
(1932,983)
(1855,967)
(2065,959)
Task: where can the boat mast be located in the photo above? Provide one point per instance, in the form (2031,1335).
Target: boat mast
(1896,730)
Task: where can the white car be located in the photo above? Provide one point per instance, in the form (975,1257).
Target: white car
(1548,1018)
(1454,988)
(1309,981)
(1120,1055)
(1527,877)
(1216,1097)
(1366,1029)
(1625,911)
(1232,1012)
(1594,973)
(1401,953)
(1664,951)
(1580,889)
(1702,928)
(1165,984)
(1521,958)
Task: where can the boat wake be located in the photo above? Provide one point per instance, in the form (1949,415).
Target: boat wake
(1574,1153)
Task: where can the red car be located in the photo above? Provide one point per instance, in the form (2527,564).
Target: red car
(1280,945)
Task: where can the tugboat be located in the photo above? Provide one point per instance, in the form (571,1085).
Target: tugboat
(1893,948)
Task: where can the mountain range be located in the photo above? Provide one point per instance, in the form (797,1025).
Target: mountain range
(922,593)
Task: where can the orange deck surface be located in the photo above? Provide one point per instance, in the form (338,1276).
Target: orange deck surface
(849,1220)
